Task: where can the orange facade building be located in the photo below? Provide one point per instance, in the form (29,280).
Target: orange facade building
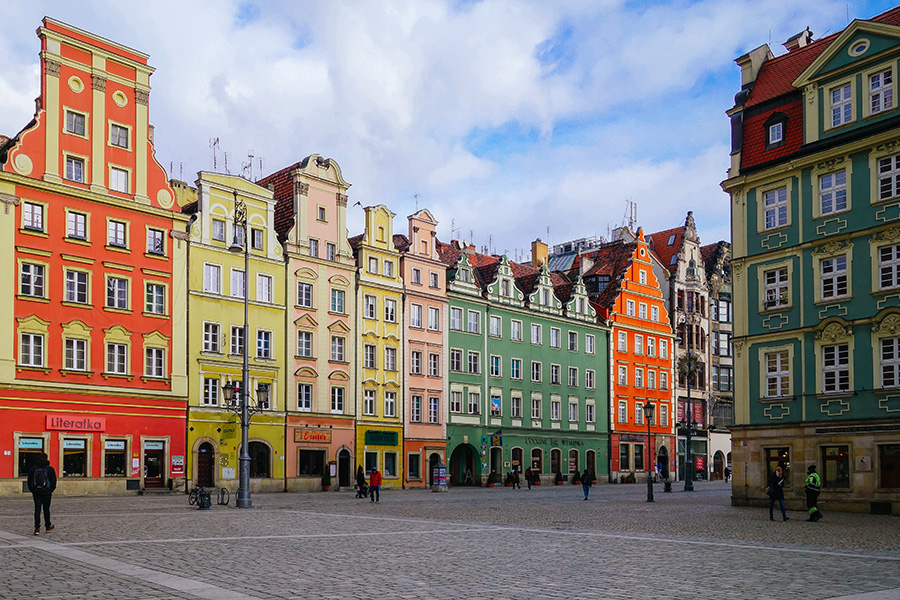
(92,369)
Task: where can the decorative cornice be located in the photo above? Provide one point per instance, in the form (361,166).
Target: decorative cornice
(51,67)
(831,248)
(98,82)
(301,189)
(142,96)
(8,199)
(833,332)
(888,235)
(889,325)
(180,235)
(341,199)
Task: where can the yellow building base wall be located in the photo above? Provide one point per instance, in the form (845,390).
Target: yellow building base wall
(83,487)
(394,480)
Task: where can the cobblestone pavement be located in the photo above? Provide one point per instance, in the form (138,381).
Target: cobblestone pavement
(470,543)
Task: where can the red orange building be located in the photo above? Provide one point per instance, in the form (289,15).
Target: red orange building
(92,368)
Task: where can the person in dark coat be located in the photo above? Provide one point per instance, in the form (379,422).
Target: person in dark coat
(360,482)
(529,478)
(515,480)
(586,478)
(776,493)
(42,484)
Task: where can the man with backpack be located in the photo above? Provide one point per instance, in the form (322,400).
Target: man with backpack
(42,482)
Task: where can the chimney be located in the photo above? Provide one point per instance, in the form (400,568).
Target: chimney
(802,39)
(538,254)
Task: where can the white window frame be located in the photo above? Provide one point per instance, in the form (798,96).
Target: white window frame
(31,349)
(835,368)
(833,193)
(840,105)
(834,277)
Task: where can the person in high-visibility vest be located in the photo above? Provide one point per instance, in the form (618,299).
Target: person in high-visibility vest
(813,487)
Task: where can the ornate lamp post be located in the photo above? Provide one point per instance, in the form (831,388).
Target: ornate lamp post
(648,415)
(689,367)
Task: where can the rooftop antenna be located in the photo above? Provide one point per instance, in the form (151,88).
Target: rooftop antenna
(214,144)
(416,198)
(247,167)
(491,244)
(181,171)
(261,166)
(227,172)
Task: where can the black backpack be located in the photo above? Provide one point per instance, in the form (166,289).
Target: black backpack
(41,480)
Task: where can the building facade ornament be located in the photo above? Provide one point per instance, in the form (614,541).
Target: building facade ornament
(51,67)
(834,331)
(301,188)
(98,82)
(142,96)
(833,247)
(7,200)
(890,325)
(341,199)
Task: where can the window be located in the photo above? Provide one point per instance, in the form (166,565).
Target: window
(417,276)
(835,368)
(474,321)
(75,123)
(726,379)
(238,286)
(724,344)
(642,311)
(31,350)
(33,216)
(210,391)
(589,344)
(369,307)
(337,400)
(589,379)
(211,337)
(623,375)
(218,230)
(629,308)
(776,281)
(515,409)
(775,208)
(320,213)
(890,362)
(155,299)
(638,344)
(515,368)
(304,344)
(212,278)
(117,293)
(515,331)
(156,242)
(455,360)
(314,248)
(77,287)
(623,342)
(638,457)
(663,349)
(638,414)
(330,251)
(116,359)
(369,402)
(836,467)
(456,319)
(495,365)
(623,411)
(118,180)
(304,295)
(536,335)
(651,379)
(388,268)
(639,378)
(373,265)
(434,280)
(554,410)
(654,314)
(889,466)
(237,340)
(495,326)
(881,92)
(663,380)
(118,135)
(833,192)
(456,402)
(536,371)
(496,406)
(415,361)
(415,315)
(154,362)
(841,105)
(31,280)
(434,365)
(390,310)
(573,412)
(535,408)
(434,407)
(834,277)
(76,225)
(304,397)
(337,348)
(504,287)
(116,234)
(778,376)
(75,462)
(474,362)
(651,346)
(390,359)
(415,409)
(256,239)
(776,133)
(76,355)
(573,341)
(554,374)
(724,311)
(573,376)
(263,344)
(337,301)
(889,266)
(888,177)
(589,413)
(555,335)
(474,403)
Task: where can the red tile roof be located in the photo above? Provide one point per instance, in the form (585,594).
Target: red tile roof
(283,183)
(659,244)
(754,150)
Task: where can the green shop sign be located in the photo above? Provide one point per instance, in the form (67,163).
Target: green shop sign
(381,438)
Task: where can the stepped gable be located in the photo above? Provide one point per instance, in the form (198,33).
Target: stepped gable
(659,244)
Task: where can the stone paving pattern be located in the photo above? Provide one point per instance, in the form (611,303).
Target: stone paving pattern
(478,543)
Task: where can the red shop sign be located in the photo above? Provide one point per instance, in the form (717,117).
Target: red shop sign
(76,423)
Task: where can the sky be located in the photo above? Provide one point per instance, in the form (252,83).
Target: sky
(509,120)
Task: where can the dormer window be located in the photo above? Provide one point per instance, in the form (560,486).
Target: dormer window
(671,240)
(776,134)
(775,129)
(504,287)
(545,298)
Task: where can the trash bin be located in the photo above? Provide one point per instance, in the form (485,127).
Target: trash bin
(203,500)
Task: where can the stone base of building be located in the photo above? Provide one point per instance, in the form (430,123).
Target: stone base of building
(92,487)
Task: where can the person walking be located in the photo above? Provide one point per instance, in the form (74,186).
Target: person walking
(776,493)
(360,482)
(42,483)
(374,485)
(813,487)
(586,480)
(528,477)
(515,480)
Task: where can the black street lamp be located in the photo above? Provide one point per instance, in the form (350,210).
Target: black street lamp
(689,367)
(648,415)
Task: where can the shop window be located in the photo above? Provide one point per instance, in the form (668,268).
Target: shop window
(371,461)
(638,457)
(536,461)
(74,458)
(624,459)
(260,463)
(836,463)
(29,452)
(390,464)
(412,467)
(888,464)
(555,460)
(114,458)
(311,462)
(517,459)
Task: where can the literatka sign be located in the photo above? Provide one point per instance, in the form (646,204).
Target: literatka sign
(76,423)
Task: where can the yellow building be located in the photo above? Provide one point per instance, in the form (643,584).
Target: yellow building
(217,283)
(379,392)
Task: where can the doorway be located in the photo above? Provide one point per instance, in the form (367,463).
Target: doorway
(206,455)
(497,464)
(462,465)
(718,465)
(344,468)
(433,461)
(154,453)
(662,461)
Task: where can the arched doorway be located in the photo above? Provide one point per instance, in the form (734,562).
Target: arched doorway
(433,460)
(497,464)
(206,458)
(555,461)
(462,465)
(718,465)
(260,460)
(344,468)
(662,461)
(573,463)
(590,462)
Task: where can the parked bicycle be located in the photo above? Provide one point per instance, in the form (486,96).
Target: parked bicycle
(223,496)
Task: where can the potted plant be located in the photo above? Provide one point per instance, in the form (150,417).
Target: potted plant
(492,479)
(559,478)
(509,479)
(326,481)
(576,478)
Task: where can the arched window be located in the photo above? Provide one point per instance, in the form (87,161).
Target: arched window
(536,462)
(260,462)
(517,460)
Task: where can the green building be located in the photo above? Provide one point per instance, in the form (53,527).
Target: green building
(528,370)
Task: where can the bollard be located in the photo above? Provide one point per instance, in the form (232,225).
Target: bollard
(203,501)
(668,485)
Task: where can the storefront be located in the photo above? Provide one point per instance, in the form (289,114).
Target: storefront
(316,446)
(379,446)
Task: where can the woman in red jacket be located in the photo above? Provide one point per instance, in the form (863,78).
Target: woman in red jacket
(374,485)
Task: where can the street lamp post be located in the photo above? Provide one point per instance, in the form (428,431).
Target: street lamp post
(688,458)
(648,415)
